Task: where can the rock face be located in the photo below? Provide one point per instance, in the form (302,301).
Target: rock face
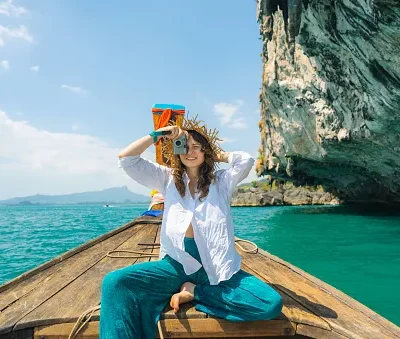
(294,196)
(330,97)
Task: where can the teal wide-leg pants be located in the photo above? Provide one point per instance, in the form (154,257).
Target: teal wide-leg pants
(133,297)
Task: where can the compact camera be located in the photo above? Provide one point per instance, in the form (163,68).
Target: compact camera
(180,146)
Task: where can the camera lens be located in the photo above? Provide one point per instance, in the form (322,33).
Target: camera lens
(178,142)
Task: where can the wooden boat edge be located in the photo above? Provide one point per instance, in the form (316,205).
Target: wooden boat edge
(76,250)
(345,298)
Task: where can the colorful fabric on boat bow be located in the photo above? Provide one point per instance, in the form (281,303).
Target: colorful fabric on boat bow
(166,117)
(157,200)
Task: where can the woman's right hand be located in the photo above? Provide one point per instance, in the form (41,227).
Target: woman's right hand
(176,132)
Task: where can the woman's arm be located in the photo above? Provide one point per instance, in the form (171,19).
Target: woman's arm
(146,172)
(222,157)
(241,164)
(139,146)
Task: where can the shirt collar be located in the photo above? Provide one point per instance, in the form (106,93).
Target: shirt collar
(185,177)
(186,180)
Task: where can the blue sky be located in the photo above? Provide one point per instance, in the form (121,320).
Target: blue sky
(78,80)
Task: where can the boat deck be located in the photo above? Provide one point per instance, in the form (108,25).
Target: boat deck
(46,301)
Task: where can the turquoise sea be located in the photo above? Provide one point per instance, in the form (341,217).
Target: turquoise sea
(355,249)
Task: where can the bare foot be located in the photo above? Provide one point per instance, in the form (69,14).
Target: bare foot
(185,295)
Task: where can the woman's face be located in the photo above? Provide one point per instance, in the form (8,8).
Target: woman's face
(195,156)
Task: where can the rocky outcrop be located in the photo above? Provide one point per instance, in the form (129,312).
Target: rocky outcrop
(330,97)
(255,196)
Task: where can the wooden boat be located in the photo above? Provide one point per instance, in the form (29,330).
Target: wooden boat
(46,301)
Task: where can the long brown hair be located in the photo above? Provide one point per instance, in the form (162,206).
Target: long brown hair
(206,170)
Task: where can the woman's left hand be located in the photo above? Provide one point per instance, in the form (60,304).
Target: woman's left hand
(221,157)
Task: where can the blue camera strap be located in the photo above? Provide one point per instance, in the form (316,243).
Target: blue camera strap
(156,134)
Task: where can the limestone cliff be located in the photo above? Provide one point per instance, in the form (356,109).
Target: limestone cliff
(330,97)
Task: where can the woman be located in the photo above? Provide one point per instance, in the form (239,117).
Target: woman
(198,260)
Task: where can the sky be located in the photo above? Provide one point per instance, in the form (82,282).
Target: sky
(78,80)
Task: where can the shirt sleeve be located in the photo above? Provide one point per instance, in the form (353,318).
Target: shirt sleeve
(145,172)
(240,166)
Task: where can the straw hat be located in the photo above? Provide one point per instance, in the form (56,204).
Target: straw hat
(199,126)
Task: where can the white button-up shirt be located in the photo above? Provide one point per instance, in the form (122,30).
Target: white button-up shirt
(211,218)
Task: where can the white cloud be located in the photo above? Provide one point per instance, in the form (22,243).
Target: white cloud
(5,64)
(227,112)
(35,68)
(8,8)
(226,140)
(74,89)
(7,33)
(75,127)
(39,161)
(238,123)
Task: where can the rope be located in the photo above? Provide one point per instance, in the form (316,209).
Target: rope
(156,245)
(143,254)
(88,314)
(253,250)
(82,321)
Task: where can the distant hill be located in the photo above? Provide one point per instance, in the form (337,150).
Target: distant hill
(110,195)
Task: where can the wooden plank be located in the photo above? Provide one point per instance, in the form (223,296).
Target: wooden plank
(84,292)
(157,240)
(293,310)
(315,332)
(186,328)
(186,311)
(220,328)
(26,286)
(341,317)
(62,331)
(74,268)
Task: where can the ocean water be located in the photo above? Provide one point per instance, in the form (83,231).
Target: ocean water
(355,249)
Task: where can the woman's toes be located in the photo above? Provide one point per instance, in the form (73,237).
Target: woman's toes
(174,303)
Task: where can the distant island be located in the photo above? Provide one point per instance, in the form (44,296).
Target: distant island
(107,196)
